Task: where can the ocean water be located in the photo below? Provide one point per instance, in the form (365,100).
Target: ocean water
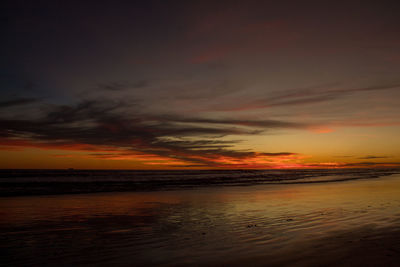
(275,221)
(33,182)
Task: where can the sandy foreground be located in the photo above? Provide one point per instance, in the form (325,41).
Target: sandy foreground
(366,246)
(353,223)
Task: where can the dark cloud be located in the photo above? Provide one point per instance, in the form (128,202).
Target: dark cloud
(17,102)
(304,97)
(115,124)
(374,157)
(279,154)
(372,164)
(119,86)
(112,86)
(249,123)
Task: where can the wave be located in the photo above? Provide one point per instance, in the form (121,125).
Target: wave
(33,182)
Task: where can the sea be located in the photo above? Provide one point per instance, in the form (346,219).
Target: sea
(42,182)
(335,217)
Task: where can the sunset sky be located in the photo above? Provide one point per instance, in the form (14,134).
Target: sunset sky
(199,84)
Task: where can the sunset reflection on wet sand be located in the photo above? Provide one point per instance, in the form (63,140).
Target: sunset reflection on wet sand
(262,224)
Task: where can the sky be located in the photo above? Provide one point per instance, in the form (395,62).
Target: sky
(199,84)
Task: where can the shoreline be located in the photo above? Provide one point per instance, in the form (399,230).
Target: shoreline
(74,188)
(32,186)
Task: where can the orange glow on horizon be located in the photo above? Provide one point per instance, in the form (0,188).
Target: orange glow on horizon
(93,155)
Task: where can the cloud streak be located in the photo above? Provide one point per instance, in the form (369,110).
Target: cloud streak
(105,125)
(115,129)
(302,97)
(374,157)
(17,102)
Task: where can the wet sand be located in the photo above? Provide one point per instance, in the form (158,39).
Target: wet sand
(352,223)
(364,246)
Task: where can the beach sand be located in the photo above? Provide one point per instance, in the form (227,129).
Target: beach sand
(352,223)
(364,246)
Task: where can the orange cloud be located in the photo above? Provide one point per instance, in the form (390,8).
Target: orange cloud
(175,158)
